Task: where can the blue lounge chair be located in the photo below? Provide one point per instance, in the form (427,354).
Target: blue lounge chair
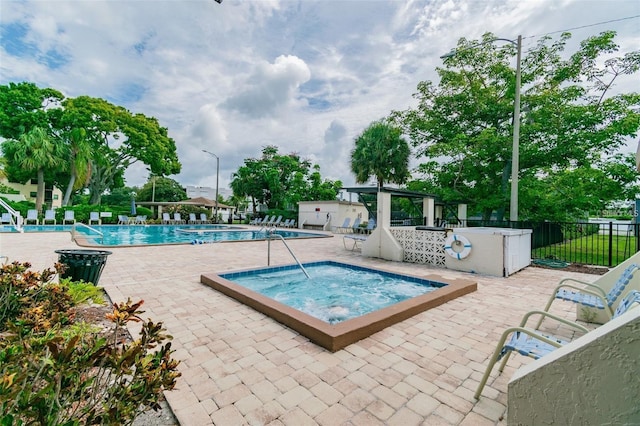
(531,343)
(356,239)
(345,225)
(371,225)
(32,216)
(590,294)
(356,225)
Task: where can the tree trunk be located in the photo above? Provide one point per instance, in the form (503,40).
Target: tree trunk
(69,191)
(40,193)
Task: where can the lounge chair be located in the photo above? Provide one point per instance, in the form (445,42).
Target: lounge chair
(292,224)
(355,228)
(6,218)
(192,218)
(95,217)
(141,220)
(69,216)
(357,240)
(344,227)
(32,216)
(286,223)
(203,218)
(49,215)
(257,221)
(277,221)
(123,219)
(268,222)
(592,295)
(166,218)
(177,218)
(371,225)
(531,343)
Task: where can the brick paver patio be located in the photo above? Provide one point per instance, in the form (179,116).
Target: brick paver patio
(241,367)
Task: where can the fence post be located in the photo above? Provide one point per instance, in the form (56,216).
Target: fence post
(610,244)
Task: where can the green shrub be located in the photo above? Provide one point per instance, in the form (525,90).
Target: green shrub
(54,372)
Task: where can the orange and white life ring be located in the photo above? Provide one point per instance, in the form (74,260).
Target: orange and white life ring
(457,246)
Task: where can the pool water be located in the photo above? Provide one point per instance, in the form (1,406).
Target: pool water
(128,235)
(335,292)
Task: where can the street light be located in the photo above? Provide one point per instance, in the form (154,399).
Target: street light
(217,179)
(515,155)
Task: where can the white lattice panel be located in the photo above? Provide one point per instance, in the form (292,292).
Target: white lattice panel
(425,247)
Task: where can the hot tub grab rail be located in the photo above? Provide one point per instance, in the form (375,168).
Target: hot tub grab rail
(73,231)
(271,233)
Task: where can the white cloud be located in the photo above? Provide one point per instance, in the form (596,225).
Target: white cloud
(306,76)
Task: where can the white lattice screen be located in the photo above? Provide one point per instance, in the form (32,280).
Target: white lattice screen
(421,246)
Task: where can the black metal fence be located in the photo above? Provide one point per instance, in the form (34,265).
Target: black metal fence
(602,243)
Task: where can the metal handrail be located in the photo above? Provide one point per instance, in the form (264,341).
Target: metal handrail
(73,231)
(17,222)
(270,234)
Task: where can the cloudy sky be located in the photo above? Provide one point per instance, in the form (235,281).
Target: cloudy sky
(307,76)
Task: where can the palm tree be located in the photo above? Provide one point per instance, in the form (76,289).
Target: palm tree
(35,152)
(381,151)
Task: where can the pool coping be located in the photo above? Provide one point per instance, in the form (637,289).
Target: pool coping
(334,337)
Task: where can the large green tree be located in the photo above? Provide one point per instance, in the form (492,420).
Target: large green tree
(572,122)
(280,181)
(381,151)
(161,189)
(119,139)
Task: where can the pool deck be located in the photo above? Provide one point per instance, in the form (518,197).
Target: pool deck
(240,367)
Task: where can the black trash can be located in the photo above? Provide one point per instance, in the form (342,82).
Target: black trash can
(85,265)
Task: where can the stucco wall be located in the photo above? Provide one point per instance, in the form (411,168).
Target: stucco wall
(593,380)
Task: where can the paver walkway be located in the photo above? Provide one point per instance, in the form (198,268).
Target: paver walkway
(240,367)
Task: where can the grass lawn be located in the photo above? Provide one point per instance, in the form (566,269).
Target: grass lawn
(590,250)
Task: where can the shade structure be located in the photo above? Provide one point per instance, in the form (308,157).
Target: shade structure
(134,211)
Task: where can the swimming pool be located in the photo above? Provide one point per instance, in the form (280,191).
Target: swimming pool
(133,235)
(327,313)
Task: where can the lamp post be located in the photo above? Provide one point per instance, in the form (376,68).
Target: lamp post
(515,155)
(217,180)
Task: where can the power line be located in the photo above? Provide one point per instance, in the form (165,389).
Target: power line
(587,26)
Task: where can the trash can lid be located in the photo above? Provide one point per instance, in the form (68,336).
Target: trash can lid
(86,252)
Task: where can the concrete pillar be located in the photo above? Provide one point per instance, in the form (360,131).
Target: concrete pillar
(462,212)
(381,243)
(429,210)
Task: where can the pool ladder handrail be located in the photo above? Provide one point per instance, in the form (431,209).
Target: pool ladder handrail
(73,231)
(271,233)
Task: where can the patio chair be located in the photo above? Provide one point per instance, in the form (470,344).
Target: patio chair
(203,218)
(6,218)
(268,222)
(95,217)
(69,216)
(356,225)
(123,219)
(177,218)
(292,224)
(591,295)
(32,216)
(357,240)
(531,343)
(166,218)
(49,215)
(141,219)
(277,221)
(345,225)
(286,223)
(192,218)
(371,225)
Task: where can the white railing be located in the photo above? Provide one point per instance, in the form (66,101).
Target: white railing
(16,219)
(73,231)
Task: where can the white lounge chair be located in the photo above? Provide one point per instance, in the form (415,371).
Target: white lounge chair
(6,218)
(192,218)
(277,221)
(69,216)
(177,218)
(532,343)
(166,218)
(141,219)
(32,216)
(203,218)
(49,216)
(95,217)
